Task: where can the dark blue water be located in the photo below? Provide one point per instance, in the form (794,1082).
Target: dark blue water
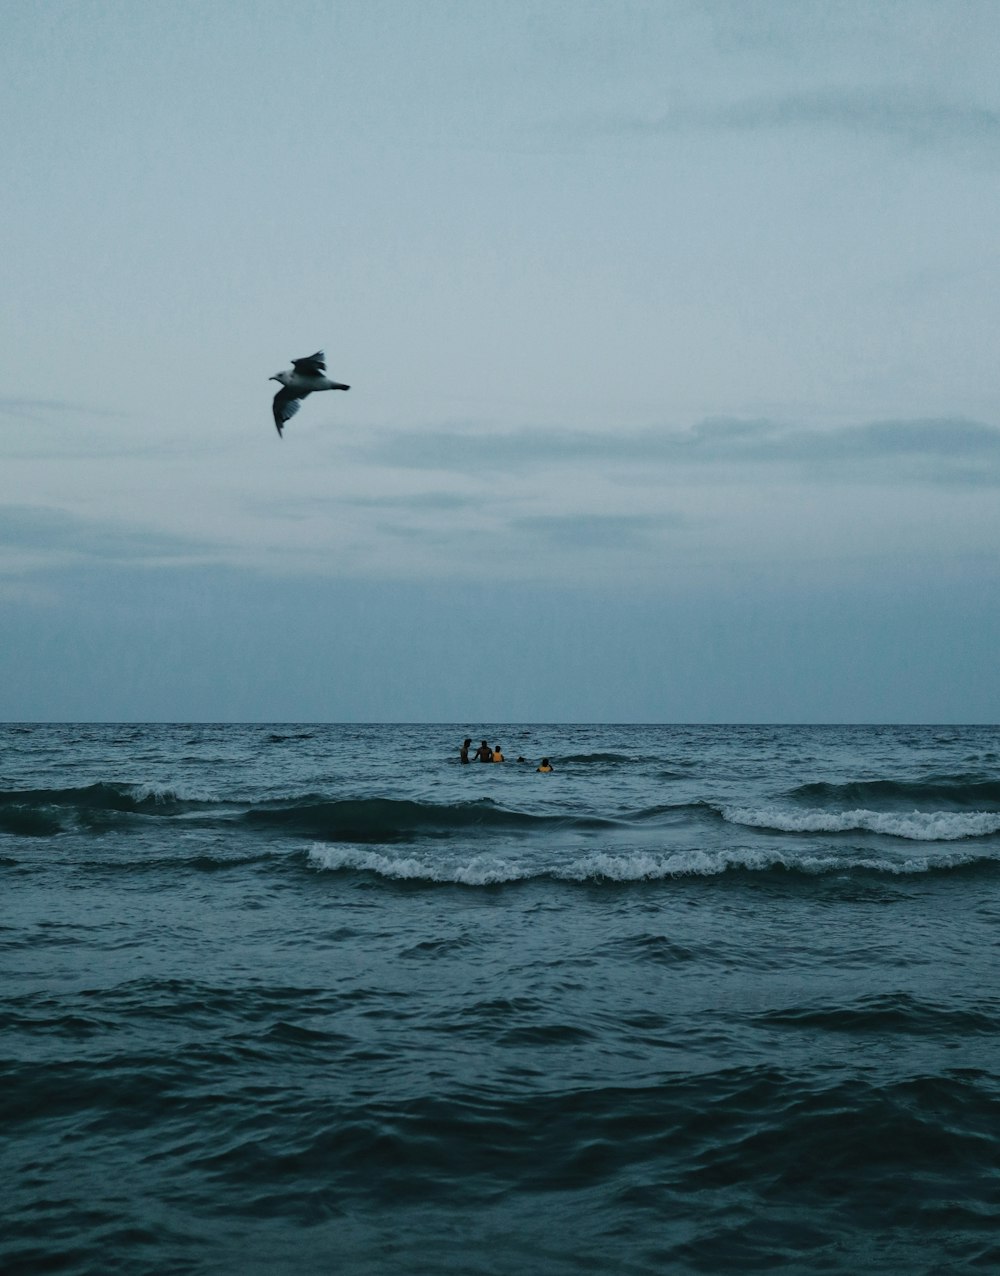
(304,999)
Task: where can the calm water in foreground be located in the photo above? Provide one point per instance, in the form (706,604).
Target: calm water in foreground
(309,999)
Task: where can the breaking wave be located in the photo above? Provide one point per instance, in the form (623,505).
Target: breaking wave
(623,867)
(47,812)
(914,826)
(99,797)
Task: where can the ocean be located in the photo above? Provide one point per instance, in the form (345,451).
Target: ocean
(318,998)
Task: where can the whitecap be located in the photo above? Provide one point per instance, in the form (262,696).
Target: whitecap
(623,867)
(162,794)
(480,870)
(916,826)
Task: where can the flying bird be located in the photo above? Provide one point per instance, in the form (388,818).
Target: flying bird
(306,376)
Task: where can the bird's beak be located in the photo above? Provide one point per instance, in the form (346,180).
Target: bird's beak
(272,378)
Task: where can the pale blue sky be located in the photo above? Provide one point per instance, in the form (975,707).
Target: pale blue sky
(671,330)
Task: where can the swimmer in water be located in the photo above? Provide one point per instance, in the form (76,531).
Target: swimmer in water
(483,753)
(498,755)
(546,767)
(463,753)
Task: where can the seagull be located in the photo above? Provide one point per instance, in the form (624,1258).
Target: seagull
(306,376)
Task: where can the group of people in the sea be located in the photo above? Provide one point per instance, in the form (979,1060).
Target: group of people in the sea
(495,754)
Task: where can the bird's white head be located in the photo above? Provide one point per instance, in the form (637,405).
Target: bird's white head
(283,377)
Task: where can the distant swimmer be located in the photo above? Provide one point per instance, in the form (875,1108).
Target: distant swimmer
(497,755)
(546,766)
(463,753)
(307,377)
(484,753)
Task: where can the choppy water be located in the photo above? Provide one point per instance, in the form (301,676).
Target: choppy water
(304,999)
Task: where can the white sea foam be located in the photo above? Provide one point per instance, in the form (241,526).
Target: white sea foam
(635,866)
(480,870)
(915,826)
(640,866)
(165,793)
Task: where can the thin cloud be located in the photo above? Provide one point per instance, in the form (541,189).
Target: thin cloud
(933,449)
(589,531)
(39,409)
(71,431)
(51,532)
(910,116)
(417,502)
(936,450)
(471,453)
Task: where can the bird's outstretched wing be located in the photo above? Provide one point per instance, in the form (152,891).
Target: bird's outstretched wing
(286,404)
(313,365)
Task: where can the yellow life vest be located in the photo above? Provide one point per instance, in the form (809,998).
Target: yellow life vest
(497,756)
(545,768)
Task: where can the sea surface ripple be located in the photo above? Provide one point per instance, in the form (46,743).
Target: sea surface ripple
(298,998)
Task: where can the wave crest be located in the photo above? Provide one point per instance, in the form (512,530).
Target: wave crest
(480,870)
(961,791)
(394,819)
(913,826)
(622,868)
(596,757)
